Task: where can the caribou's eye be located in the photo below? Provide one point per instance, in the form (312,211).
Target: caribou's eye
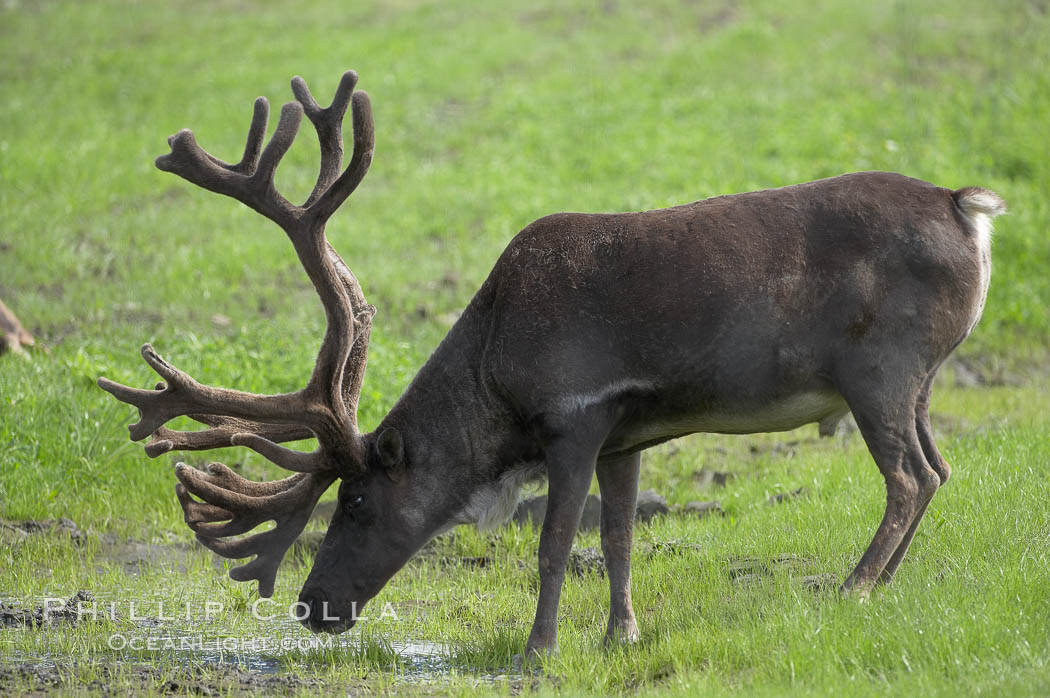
(350,504)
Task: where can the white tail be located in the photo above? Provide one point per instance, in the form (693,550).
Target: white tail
(975,201)
(980,206)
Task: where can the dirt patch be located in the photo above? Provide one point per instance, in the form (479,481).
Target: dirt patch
(702,509)
(307,544)
(742,571)
(17,531)
(820,583)
(324,511)
(707,477)
(783,448)
(135,556)
(211,680)
(586,561)
(753,566)
(781,497)
(48,615)
(749,570)
(475,562)
(651,504)
(669,547)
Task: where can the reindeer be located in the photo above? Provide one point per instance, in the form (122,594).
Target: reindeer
(594,337)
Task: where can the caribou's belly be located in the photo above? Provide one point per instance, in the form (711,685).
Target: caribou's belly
(781,415)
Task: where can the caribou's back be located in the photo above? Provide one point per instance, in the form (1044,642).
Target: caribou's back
(734,314)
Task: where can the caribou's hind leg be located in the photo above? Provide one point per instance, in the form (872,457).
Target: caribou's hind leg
(885,405)
(934,459)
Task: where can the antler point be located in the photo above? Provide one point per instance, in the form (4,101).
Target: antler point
(158,448)
(292,106)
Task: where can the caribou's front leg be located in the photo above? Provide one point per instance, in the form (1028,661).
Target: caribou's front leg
(618,480)
(570,467)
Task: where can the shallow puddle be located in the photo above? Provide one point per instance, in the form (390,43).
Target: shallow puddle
(263,652)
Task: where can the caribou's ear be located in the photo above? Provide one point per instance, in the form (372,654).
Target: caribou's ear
(390,448)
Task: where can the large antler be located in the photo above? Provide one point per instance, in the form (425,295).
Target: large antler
(326,408)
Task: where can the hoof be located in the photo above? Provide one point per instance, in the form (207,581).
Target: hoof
(540,651)
(621,636)
(532,656)
(859,593)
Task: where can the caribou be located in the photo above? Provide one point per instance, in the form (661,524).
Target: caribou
(594,337)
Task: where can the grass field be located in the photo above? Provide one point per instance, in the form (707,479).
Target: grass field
(488,117)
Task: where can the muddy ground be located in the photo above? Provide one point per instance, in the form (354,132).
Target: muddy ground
(210,680)
(45,675)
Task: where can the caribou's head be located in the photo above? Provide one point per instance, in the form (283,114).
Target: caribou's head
(386,511)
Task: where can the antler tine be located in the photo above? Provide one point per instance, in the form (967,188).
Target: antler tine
(364,146)
(252,147)
(251,180)
(234,505)
(256,133)
(283,137)
(328,123)
(287,458)
(220,434)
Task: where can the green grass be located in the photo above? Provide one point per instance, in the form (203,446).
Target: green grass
(487,118)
